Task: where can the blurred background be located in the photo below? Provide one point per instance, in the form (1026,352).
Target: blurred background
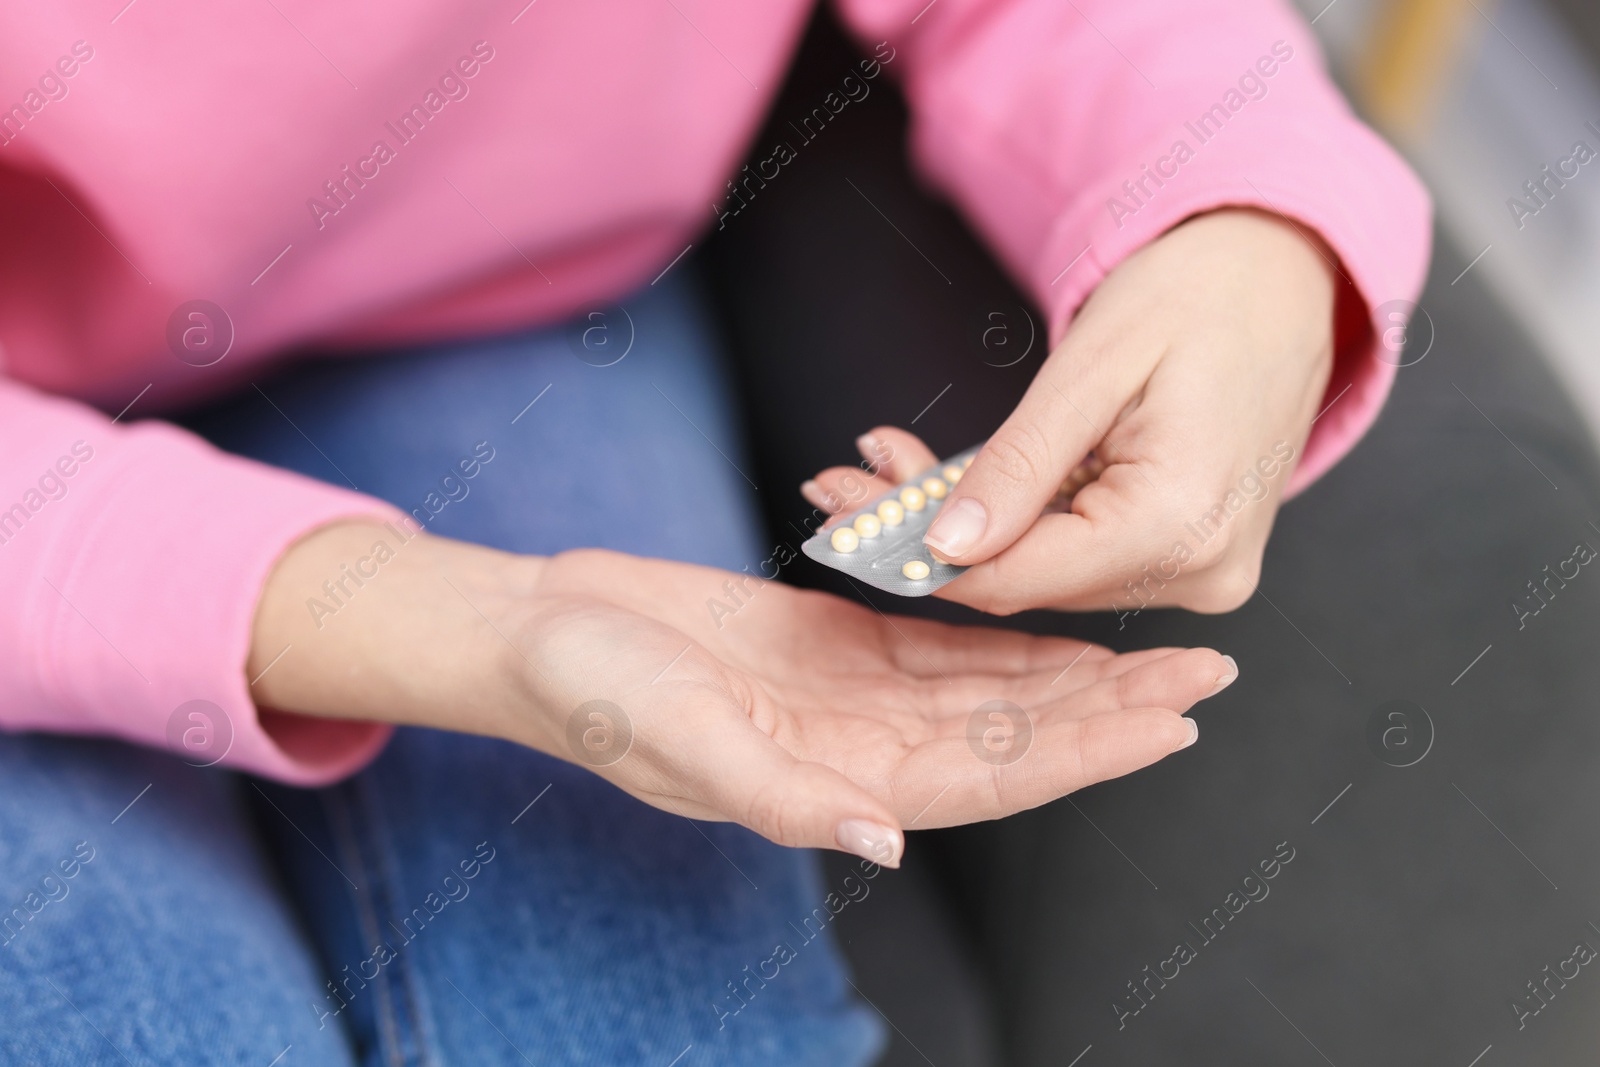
(1481,96)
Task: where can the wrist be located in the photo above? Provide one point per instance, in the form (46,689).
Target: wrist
(367,620)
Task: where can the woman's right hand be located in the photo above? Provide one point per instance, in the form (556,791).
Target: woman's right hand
(811,720)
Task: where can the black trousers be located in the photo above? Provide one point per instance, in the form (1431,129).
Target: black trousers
(1384,848)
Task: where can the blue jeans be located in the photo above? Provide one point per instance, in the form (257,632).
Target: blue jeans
(463,900)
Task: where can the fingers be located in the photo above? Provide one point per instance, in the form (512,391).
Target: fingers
(840,489)
(891,456)
(953,781)
(1106,553)
(924,648)
(1177,682)
(1196,541)
(1165,678)
(755,782)
(1073,755)
(1066,412)
(898,454)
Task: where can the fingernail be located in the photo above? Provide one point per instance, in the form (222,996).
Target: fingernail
(1227,679)
(869,840)
(1194,735)
(958,528)
(814,494)
(867,445)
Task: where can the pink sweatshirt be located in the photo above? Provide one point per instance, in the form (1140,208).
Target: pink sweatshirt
(367,173)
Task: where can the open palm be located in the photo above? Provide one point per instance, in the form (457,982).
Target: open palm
(818,722)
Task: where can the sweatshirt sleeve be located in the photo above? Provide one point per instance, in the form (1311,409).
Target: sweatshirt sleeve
(1072,132)
(131,562)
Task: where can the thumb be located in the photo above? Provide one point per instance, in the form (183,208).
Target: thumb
(762,786)
(1064,414)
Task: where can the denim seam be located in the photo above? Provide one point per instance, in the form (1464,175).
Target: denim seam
(404,976)
(342,817)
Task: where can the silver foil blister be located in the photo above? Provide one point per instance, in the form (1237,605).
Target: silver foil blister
(881,560)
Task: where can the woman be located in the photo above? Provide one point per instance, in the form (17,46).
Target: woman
(466,199)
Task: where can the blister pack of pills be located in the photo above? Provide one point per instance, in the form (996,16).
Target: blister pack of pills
(880,543)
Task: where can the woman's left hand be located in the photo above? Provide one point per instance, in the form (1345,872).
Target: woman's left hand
(1193,374)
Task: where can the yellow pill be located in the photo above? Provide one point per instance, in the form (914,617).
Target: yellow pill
(915,569)
(935,488)
(952,474)
(913,498)
(845,539)
(868,525)
(891,513)
(967,462)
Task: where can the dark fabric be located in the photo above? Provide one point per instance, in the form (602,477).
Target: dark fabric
(1414,912)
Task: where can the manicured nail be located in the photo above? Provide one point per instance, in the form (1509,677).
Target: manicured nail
(1194,735)
(867,445)
(870,841)
(1227,679)
(814,494)
(958,528)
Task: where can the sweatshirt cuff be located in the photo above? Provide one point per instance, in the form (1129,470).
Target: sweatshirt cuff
(148,630)
(1333,177)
